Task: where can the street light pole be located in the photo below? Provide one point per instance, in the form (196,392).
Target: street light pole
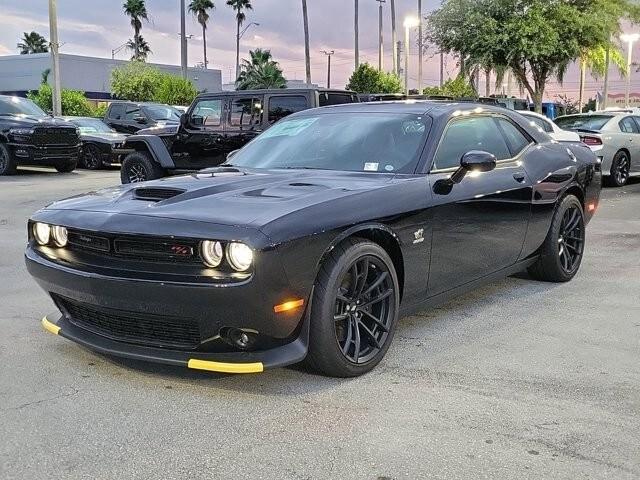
(183,40)
(380,37)
(630,38)
(356,33)
(394,38)
(55,46)
(409,23)
(420,47)
(328,54)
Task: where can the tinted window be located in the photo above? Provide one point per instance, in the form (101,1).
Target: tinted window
(210,111)
(335,98)
(162,112)
(540,123)
(515,138)
(20,106)
(627,125)
(585,122)
(116,111)
(132,112)
(280,107)
(246,112)
(361,142)
(466,134)
(91,125)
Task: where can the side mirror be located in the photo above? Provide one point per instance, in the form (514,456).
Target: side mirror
(184,119)
(230,155)
(140,119)
(197,120)
(474,161)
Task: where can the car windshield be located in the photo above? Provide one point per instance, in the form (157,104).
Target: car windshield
(161,112)
(583,122)
(91,125)
(20,106)
(369,142)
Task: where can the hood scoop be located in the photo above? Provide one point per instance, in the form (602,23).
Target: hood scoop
(220,172)
(156,194)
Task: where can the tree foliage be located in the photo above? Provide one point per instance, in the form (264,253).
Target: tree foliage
(261,71)
(136,10)
(140,82)
(367,79)
(458,87)
(33,43)
(74,102)
(535,39)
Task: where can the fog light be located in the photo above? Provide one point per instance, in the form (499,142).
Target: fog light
(42,233)
(60,236)
(240,256)
(240,339)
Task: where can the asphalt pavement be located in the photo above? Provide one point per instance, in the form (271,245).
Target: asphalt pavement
(520,379)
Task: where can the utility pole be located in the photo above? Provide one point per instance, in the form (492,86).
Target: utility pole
(307,56)
(328,54)
(55,60)
(355,30)
(380,38)
(394,38)
(607,63)
(183,40)
(420,46)
(441,69)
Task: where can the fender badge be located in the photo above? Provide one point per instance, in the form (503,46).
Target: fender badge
(419,236)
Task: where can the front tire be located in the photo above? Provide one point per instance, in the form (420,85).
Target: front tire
(8,164)
(91,157)
(561,253)
(354,311)
(139,167)
(620,169)
(66,167)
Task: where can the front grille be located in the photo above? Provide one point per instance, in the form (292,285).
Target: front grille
(133,327)
(88,241)
(55,136)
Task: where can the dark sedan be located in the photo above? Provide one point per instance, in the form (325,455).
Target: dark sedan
(313,240)
(98,142)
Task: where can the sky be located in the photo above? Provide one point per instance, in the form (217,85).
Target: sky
(96,27)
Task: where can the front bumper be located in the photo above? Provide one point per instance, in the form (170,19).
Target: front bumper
(45,155)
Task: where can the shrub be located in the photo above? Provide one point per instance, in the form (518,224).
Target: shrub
(457,87)
(174,90)
(135,81)
(74,103)
(367,79)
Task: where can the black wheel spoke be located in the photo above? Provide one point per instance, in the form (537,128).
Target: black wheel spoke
(356,331)
(376,320)
(370,335)
(340,317)
(377,298)
(381,278)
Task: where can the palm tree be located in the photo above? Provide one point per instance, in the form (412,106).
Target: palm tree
(33,43)
(137,10)
(260,72)
(239,6)
(200,8)
(307,57)
(355,33)
(141,49)
(595,61)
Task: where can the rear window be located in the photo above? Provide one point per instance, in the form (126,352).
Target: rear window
(282,106)
(583,122)
(116,111)
(329,98)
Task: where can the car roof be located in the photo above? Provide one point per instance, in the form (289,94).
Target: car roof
(533,114)
(138,103)
(284,91)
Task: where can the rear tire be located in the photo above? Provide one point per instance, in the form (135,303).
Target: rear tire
(140,167)
(67,167)
(91,157)
(620,169)
(561,252)
(8,164)
(354,311)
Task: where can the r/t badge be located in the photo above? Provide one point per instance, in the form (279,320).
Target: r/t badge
(419,236)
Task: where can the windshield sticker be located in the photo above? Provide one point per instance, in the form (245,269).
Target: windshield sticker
(389,168)
(371,167)
(290,128)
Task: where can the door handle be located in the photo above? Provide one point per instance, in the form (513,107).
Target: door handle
(519,177)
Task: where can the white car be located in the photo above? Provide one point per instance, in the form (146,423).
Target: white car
(551,128)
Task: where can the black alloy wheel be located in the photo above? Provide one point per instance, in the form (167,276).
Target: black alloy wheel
(355,308)
(139,167)
(620,169)
(91,157)
(571,239)
(7,162)
(364,309)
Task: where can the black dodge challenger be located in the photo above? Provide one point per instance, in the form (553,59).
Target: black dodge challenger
(314,239)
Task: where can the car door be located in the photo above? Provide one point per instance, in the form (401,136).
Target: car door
(200,139)
(479,225)
(115,117)
(635,156)
(134,119)
(244,120)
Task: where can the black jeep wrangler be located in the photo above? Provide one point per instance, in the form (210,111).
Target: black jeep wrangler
(215,125)
(28,136)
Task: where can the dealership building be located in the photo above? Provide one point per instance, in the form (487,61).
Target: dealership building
(20,74)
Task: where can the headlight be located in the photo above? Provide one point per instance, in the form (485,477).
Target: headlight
(42,233)
(59,236)
(21,131)
(211,253)
(240,256)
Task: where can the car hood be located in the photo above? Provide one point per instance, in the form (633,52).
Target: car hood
(168,129)
(28,121)
(104,137)
(228,196)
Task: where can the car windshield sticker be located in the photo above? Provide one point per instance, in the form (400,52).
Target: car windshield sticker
(371,167)
(290,128)
(389,168)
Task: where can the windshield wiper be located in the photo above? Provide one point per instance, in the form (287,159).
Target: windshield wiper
(302,168)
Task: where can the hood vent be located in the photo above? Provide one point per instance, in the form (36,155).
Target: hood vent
(155,194)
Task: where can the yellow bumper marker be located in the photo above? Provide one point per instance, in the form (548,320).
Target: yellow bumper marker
(225,367)
(50,327)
